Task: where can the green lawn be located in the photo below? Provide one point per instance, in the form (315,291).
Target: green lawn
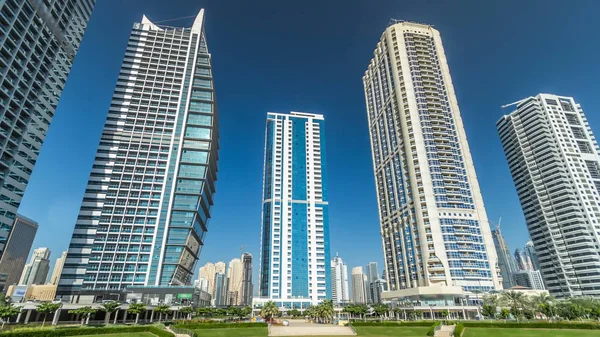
(239,332)
(380,331)
(497,332)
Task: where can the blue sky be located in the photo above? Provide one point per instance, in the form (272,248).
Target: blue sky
(310,56)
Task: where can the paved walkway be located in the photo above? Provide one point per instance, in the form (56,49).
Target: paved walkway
(301,328)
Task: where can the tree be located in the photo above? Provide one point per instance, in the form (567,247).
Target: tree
(162,309)
(445,314)
(488,311)
(137,309)
(47,308)
(362,310)
(325,311)
(83,313)
(187,311)
(8,310)
(4,300)
(515,301)
(245,311)
(269,310)
(109,308)
(295,313)
(504,313)
(380,309)
(492,300)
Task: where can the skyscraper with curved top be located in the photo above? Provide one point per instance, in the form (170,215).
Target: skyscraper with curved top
(146,207)
(434,227)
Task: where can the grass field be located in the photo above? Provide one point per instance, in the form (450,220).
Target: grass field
(496,332)
(377,331)
(239,332)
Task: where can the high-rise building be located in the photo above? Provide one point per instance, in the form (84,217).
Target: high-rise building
(434,226)
(295,225)
(505,260)
(359,286)
(146,207)
(372,272)
(208,272)
(220,295)
(58,267)
(235,274)
(375,289)
(36,271)
(38,43)
(530,279)
(555,164)
(339,281)
(522,260)
(530,252)
(17,249)
(247,288)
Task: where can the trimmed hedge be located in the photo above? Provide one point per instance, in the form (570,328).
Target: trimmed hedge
(532,325)
(86,331)
(197,326)
(459,329)
(392,324)
(431,331)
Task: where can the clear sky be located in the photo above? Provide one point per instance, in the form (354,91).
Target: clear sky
(310,55)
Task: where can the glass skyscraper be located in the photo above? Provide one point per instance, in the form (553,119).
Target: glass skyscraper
(554,159)
(38,42)
(148,200)
(434,226)
(295,260)
(506,263)
(17,249)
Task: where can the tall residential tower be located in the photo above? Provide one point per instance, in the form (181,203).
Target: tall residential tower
(434,226)
(294,262)
(339,281)
(506,263)
(147,204)
(555,164)
(38,43)
(17,249)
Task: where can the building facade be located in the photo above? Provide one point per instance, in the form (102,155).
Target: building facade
(434,227)
(247,288)
(529,278)
(522,260)
(146,207)
(339,281)
(359,286)
(36,271)
(506,263)
(375,289)
(295,226)
(554,160)
(38,43)
(58,267)
(235,273)
(530,252)
(17,249)
(220,295)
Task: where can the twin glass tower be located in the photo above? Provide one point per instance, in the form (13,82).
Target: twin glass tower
(146,207)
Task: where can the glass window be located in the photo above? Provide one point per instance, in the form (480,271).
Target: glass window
(190,156)
(200,106)
(196,132)
(191,171)
(200,119)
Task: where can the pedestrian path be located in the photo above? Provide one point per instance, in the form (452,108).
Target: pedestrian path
(302,328)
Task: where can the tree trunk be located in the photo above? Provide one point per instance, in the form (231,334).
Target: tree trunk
(44,321)
(137,317)
(107,318)
(3,324)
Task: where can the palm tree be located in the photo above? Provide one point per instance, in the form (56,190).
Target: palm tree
(7,311)
(269,310)
(543,303)
(326,310)
(109,308)
(162,309)
(83,313)
(137,309)
(187,311)
(247,310)
(47,308)
(515,301)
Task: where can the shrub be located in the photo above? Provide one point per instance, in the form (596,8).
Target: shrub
(459,329)
(431,330)
(216,325)
(533,325)
(392,324)
(86,331)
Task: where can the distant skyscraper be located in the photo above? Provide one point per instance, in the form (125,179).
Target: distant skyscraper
(530,252)
(505,260)
(36,271)
(17,249)
(149,196)
(247,288)
(359,286)
(220,295)
(522,260)
(375,289)
(235,274)
(434,226)
(339,281)
(208,272)
(38,43)
(372,272)
(58,267)
(555,164)
(295,231)
(530,279)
